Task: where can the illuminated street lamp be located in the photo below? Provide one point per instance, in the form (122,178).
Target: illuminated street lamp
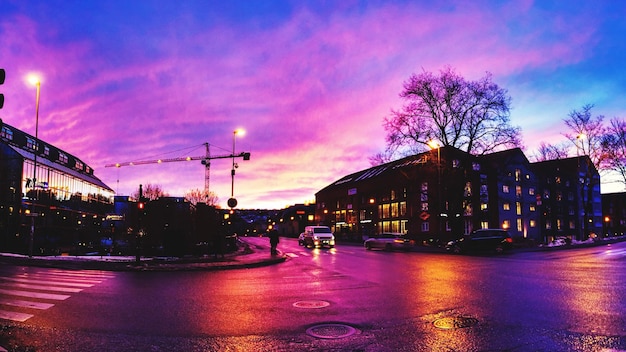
(232,202)
(433,144)
(36,81)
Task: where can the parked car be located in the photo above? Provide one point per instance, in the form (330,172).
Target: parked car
(388,242)
(496,240)
(318,236)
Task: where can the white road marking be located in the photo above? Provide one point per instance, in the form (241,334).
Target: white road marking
(15,316)
(40,295)
(37,286)
(25,304)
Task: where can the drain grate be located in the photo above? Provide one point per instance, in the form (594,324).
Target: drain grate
(331,331)
(455,322)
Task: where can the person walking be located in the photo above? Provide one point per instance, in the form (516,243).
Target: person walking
(273,235)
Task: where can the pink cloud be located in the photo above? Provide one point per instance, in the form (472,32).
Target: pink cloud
(311,91)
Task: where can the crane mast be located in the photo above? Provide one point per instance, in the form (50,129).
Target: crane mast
(204,159)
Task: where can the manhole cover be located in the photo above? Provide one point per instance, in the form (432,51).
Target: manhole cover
(455,322)
(311,304)
(331,331)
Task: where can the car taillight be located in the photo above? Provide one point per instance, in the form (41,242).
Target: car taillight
(509,240)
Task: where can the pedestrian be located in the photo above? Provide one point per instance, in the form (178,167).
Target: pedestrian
(273,235)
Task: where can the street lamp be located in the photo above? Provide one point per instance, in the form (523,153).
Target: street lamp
(232,202)
(34,80)
(433,144)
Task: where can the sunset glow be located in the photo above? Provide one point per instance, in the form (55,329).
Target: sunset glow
(309,81)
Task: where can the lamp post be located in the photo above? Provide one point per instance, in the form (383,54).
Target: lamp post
(34,80)
(433,144)
(232,202)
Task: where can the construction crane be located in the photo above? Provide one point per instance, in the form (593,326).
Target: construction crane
(205,160)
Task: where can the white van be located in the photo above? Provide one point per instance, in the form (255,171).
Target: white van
(318,236)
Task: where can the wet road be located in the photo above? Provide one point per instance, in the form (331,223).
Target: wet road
(351,299)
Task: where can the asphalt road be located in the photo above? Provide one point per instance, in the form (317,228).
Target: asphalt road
(339,299)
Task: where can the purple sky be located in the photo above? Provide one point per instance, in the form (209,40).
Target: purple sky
(309,81)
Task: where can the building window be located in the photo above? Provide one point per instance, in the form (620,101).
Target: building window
(46,150)
(425,226)
(424,206)
(64,159)
(483,206)
(394,210)
(506,224)
(456,163)
(518,175)
(7,133)
(558,224)
(506,206)
(531,191)
(518,208)
(402,208)
(505,189)
(532,223)
(468,189)
(572,224)
(518,191)
(519,225)
(31,143)
(393,194)
(484,224)
(476,166)
(532,207)
(385,211)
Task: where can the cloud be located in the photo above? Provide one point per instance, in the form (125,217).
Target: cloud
(311,84)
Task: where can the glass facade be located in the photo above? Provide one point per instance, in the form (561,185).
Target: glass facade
(50,201)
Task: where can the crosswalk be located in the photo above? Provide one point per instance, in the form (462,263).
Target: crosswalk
(23,294)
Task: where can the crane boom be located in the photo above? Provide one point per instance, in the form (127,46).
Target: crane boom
(244,155)
(205,160)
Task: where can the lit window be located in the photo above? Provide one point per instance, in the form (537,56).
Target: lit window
(506,206)
(518,208)
(531,191)
(425,227)
(532,223)
(505,189)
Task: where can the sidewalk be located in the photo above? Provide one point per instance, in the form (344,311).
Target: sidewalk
(247,256)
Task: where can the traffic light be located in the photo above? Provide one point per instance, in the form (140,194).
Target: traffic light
(2,77)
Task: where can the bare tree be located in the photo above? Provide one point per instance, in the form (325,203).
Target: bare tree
(150,191)
(586,134)
(196,196)
(614,147)
(470,115)
(551,152)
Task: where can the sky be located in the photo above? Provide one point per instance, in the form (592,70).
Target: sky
(310,82)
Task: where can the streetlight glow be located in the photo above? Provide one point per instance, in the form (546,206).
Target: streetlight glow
(433,144)
(33,79)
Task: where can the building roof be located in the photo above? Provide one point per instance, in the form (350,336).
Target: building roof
(17,143)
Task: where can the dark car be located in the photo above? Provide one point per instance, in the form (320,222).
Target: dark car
(492,240)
